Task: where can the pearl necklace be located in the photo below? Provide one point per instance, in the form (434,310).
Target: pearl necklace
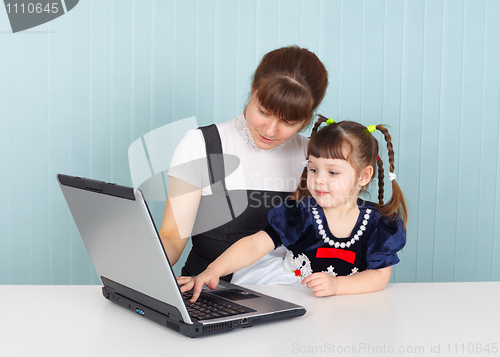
(338,244)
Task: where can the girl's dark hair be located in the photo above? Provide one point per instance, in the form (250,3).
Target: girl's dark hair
(290,82)
(362,150)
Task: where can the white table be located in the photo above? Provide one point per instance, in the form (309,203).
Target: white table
(422,319)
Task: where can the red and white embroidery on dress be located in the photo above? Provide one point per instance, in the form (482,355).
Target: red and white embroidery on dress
(300,266)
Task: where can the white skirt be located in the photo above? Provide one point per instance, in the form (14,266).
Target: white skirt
(268,270)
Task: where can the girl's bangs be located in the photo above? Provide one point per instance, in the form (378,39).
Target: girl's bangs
(330,144)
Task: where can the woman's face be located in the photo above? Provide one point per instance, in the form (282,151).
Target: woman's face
(268,131)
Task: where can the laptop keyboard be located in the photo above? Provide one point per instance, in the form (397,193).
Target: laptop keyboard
(203,309)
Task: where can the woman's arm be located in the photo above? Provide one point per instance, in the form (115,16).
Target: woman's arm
(179,216)
(239,255)
(367,281)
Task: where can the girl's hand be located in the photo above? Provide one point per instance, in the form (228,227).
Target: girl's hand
(205,278)
(322,284)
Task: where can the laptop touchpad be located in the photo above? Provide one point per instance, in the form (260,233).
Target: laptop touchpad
(234,294)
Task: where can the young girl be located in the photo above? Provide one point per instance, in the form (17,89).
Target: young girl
(337,243)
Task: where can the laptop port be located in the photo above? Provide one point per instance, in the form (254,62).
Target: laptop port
(244,320)
(140,312)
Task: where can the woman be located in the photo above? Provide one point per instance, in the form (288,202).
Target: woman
(218,199)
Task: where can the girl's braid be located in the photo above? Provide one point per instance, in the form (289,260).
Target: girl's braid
(390,147)
(380,165)
(397,202)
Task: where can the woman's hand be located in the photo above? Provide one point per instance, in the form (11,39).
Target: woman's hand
(207,277)
(322,284)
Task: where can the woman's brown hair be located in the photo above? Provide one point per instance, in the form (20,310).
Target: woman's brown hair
(290,82)
(362,151)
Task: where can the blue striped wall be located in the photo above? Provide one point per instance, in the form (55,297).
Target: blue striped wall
(77,91)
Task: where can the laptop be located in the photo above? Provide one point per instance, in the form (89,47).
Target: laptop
(121,238)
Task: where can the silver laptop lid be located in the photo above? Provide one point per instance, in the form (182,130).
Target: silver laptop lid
(116,227)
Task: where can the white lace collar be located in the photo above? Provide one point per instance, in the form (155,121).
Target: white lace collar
(241,127)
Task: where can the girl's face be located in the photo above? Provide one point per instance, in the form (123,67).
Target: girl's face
(268,131)
(334,182)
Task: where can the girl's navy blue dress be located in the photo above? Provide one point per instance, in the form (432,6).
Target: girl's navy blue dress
(302,228)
